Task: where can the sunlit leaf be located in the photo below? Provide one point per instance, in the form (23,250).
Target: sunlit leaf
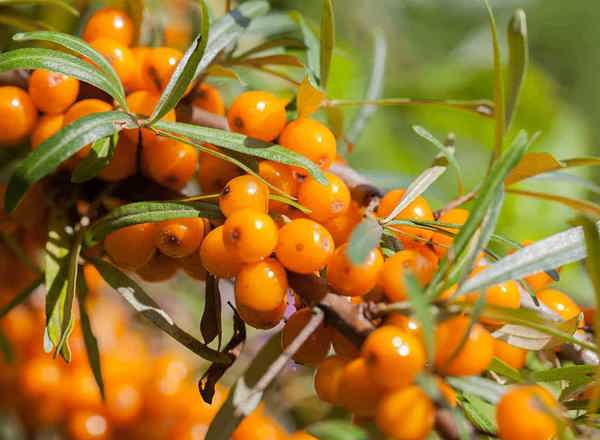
(518,59)
(327,41)
(337,430)
(11,18)
(309,98)
(98,158)
(532,164)
(364,238)
(569,373)
(502,368)
(479,412)
(313,62)
(224,72)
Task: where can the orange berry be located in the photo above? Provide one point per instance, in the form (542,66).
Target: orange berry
(522,413)
(109,22)
(142,103)
(316,347)
(93,280)
(447,392)
(216,258)
(209,99)
(398,266)
(511,355)
(214,173)
(88,425)
(474,356)
(192,266)
(87,395)
(257,114)
(119,56)
(505,294)
(328,384)
(538,280)
(46,126)
(168,162)
(133,246)
(418,209)
(17,115)
(304,246)
(158,65)
(123,163)
(394,357)
(442,242)
(180,237)
(311,139)
(343,346)
(407,323)
(123,403)
(160,268)
(280,176)
(249,234)
(52,92)
(341,226)
(244,192)
(325,202)
(560,302)
(41,377)
(416,408)
(260,293)
(82,108)
(354,279)
(359,393)
(258,427)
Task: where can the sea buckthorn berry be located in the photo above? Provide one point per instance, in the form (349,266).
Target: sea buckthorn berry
(311,139)
(109,22)
(398,266)
(160,268)
(17,115)
(216,258)
(447,392)
(509,354)
(209,99)
(559,302)
(83,108)
(159,63)
(169,163)
(119,56)
(214,173)
(328,384)
(257,426)
(315,348)
(341,226)
(251,235)
(257,114)
(538,280)
(441,241)
(354,279)
(359,394)
(418,209)
(261,287)
(123,402)
(192,266)
(52,92)
(46,126)
(93,280)
(505,294)
(525,413)
(133,246)
(123,163)
(143,103)
(88,425)
(282,177)
(180,237)
(474,356)
(244,192)
(416,409)
(41,377)
(394,357)
(324,201)
(407,323)
(304,246)
(343,346)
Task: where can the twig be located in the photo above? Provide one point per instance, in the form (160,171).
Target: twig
(17,77)
(446,427)
(459,201)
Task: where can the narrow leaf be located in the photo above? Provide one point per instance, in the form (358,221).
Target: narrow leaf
(583,206)
(210,324)
(487,389)
(502,368)
(592,262)
(20,298)
(272,60)
(480,413)
(336,430)
(364,238)
(309,98)
(65,6)
(313,61)
(532,164)
(11,18)
(6,348)
(574,372)
(518,59)
(327,41)
(99,157)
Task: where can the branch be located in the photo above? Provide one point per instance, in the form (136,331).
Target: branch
(17,77)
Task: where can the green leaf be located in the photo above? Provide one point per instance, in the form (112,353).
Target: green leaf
(82,48)
(487,389)
(228,417)
(148,308)
(313,56)
(135,10)
(480,413)
(284,42)
(243,144)
(52,152)
(99,157)
(518,59)
(336,430)
(570,373)
(20,298)
(582,206)
(364,238)
(327,41)
(271,60)
(502,368)
(184,73)
(148,212)
(11,18)
(210,323)
(423,313)
(228,29)
(65,6)
(89,339)
(6,348)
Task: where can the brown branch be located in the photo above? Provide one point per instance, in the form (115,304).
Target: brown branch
(17,77)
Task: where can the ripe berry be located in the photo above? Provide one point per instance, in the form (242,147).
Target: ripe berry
(209,99)
(249,234)
(341,226)
(46,126)
(260,293)
(304,246)
(17,115)
(119,56)
(394,357)
(244,192)
(328,384)
(52,92)
(523,413)
(133,246)
(41,377)
(142,103)
(192,266)
(560,302)
(474,356)
(354,279)
(123,163)
(505,294)
(311,139)
(180,237)
(442,242)
(157,66)
(160,268)
(398,266)
(407,323)
(359,393)
(88,425)
(325,202)
(168,162)
(280,176)
(216,258)
(315,348)
(82,108)
(258,427)
(109,22)
(214,173)
(416,409)
(447,392)
(256,114)
(343,346)
(513,356)
(418,209)
(124,402)
(538,280)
